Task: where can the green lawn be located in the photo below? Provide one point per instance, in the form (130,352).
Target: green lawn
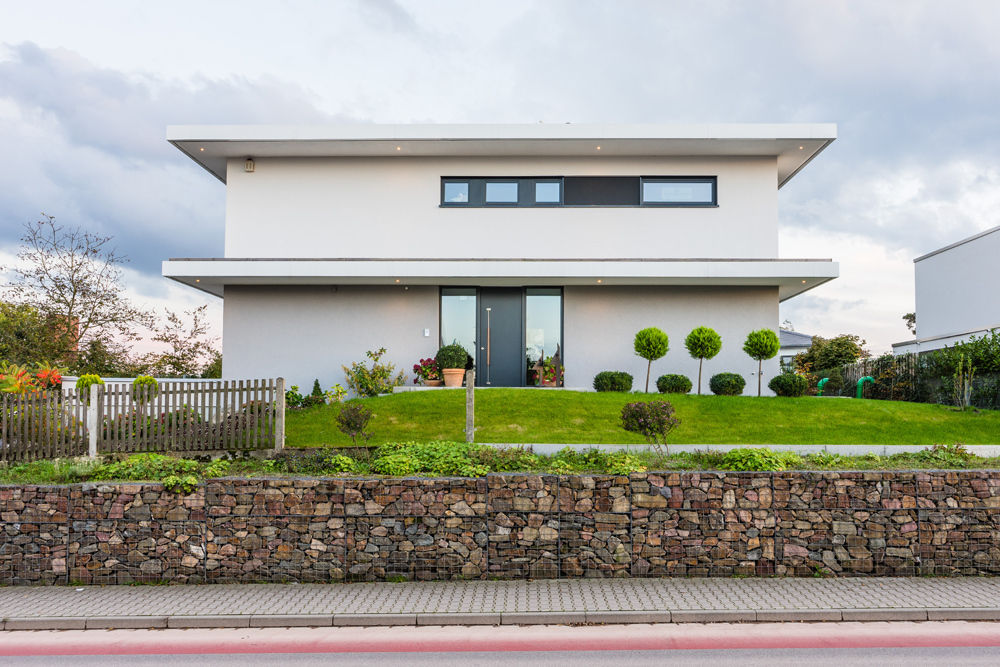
(537,415)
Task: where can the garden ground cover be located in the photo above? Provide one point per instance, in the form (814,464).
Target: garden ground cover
(538,416)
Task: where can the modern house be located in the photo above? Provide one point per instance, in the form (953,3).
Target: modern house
(956,293)
(516,241)
(792,344)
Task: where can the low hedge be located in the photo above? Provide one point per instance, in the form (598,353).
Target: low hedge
(613,381)
(727,384)
(788,384)
(673,384)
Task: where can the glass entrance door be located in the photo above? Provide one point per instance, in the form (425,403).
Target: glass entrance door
(513,333)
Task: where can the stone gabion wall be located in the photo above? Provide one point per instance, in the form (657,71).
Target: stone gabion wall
(693,524)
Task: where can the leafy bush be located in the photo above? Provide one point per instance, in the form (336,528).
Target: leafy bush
(396,465)
(759,458)
(651,344)
(353,419)
(613,381)
(84,382)
(788,384)
(338,463)
(623,463)
(144,387)
(702,343)
(378,379)
(217,468)
(452,356)
(653,420)
(673,384)
(177,475)
(293,399)
(441,457)
(727,384)
(952,456)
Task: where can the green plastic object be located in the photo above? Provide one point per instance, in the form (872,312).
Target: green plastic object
(820,385)
(861,384)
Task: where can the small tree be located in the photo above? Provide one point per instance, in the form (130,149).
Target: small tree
(651,344)
(760,345)
(702,343)
(189,347)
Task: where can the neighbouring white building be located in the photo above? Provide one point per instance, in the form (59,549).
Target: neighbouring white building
(513,240)
(792,343)
(957,295)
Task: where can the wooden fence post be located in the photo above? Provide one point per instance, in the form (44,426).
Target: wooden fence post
(93,427)
(279,419)
(470,406)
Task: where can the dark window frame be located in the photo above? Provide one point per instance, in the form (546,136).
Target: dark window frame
(526,191)
(711,180)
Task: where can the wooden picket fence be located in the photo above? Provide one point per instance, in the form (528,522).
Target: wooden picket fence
(175,416)
(43,425)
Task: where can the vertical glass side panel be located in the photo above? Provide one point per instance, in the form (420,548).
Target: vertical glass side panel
(543,333)
(458,317)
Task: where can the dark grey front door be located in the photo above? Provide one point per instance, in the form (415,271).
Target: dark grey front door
(500,360)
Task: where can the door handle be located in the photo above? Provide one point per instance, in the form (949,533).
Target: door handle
(489,329)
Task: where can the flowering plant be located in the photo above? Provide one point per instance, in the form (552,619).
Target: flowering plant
(427,369)
(16,379)
(551,371)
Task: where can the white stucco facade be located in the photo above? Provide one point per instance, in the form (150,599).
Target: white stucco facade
(956,293)
(337,241)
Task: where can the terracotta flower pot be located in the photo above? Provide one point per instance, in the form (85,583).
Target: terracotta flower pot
(433,383)
(453,376)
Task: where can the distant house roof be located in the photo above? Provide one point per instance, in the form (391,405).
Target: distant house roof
(794,338)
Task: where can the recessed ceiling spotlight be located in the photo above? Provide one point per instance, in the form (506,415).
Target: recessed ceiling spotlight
(202,148)
(399,148)
(397,280)
(801,147)
(599,280)
(803,282)
(197,280)
(598,148)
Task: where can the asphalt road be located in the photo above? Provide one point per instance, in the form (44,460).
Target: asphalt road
(911,657)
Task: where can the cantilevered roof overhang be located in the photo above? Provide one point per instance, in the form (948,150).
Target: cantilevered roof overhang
(793,145)
(790,276)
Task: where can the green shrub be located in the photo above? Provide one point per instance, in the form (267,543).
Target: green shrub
(727,384)
(613,381)
(452,356)
(144,387)
(759,458)
(623,463)
(217,468)
(651,344)
(673,384)
(84,382)
(378,379)
(353,419)
(177,475)
(653,420)
(441,457)
(788,384)
(396,465)
(338,463)
(293,399)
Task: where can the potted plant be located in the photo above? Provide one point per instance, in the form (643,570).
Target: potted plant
(552,372)
(427,373)
(451,359)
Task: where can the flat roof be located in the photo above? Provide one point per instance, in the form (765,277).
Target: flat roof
(958,243)
(793,144)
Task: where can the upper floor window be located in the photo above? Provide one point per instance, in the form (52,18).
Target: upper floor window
(679,191)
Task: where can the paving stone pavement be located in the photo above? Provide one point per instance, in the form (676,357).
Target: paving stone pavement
(494,602)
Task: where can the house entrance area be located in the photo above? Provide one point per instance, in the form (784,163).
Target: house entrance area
(514,334)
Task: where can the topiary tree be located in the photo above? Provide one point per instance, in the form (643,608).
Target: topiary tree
(702,343)
(760,345)
(651,344)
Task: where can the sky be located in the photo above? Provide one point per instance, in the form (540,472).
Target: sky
(87,90)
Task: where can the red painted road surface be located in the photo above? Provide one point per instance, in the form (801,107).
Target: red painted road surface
(504,638)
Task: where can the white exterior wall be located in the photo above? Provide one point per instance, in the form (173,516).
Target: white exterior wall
(601,323)
(956,289)
(390,208)
(302,333)
(308,332)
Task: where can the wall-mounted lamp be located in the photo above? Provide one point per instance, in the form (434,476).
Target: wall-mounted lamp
(248,166)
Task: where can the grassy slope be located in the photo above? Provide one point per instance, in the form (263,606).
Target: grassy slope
(533,415)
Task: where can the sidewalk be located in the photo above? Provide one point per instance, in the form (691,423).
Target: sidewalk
(566,601)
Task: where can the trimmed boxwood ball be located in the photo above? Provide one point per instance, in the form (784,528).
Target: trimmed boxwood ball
(788,384)
(673,384)
(727,384)
(452,356)
(613,381)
